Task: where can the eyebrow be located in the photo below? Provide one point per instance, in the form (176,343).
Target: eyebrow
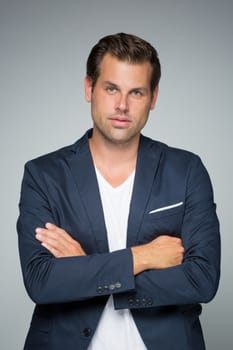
(107,82)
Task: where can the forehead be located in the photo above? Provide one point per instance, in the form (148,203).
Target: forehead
(123,72)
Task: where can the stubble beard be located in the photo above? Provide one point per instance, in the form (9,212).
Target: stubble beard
(117,136)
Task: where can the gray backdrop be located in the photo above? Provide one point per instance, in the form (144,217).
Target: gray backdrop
(43,49)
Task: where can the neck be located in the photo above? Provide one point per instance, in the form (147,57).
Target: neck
(113,152)
(115,161)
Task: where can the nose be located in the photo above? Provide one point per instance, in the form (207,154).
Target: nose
(122,103)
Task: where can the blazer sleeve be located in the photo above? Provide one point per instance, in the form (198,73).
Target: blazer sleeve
(196,279)
(56,280)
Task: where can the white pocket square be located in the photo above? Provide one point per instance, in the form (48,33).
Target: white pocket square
(166,208)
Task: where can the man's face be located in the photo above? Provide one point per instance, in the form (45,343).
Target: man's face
(120,100)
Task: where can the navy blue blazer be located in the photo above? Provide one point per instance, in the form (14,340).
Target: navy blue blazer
(172,195)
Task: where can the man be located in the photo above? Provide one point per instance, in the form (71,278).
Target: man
(118,235)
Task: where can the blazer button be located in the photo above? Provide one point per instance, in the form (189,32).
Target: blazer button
(100,290)
(150,302)
(87,332)
(131,301)
(118,285)
(111,286)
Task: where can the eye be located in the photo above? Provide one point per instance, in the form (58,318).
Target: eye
(137,93)
(111,89)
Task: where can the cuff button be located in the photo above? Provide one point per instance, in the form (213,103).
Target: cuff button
(118,285)
(111,287)
(100,290)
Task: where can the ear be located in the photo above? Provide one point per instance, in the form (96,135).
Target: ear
(88,88)
(154,98)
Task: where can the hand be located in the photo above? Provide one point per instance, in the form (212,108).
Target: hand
(58,241)
(162,252)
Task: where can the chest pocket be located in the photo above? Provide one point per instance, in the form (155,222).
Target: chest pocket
(164,222)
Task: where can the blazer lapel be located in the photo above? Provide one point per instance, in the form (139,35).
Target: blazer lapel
(149,156)
(83,170)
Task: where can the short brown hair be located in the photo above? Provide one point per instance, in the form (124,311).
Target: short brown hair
(125,47)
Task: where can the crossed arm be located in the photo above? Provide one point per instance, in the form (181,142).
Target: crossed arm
(174,274)
(162,252)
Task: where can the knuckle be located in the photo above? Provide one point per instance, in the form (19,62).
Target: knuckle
(62,231)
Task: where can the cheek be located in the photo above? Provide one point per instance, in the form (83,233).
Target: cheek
(107,104)
(102,106)
(142,111)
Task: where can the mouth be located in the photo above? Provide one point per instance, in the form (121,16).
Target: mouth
(120,121)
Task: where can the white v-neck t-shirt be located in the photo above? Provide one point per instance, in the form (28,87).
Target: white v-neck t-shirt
(116,329)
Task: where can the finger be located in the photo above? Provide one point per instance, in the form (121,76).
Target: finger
(173,240)
(52,250)
(42,234)
(60,252)
(44,231)
(59,242)
(51,238)
(58,230)
(48,241)
(54,228)
(57,234)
